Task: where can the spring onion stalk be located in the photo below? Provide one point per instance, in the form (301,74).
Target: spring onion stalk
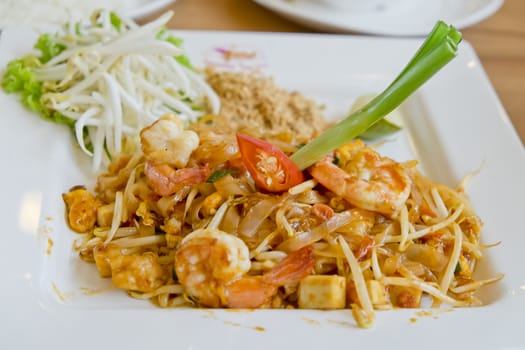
(439,48)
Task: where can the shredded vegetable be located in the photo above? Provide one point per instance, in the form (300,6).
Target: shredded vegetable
(108,79)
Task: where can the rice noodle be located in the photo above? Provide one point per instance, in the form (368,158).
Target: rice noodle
(128,242)
(303,239)
(257,214)
(453,260)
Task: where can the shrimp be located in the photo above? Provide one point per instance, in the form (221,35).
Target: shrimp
(364,178)
(167,148)
(212,267)
(166,142)
(165,180)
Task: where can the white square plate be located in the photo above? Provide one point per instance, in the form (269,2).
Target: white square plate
(454,125)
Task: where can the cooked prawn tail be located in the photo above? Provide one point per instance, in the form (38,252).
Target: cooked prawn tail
(296,266)
(165,180)
(248,293)
(330,175)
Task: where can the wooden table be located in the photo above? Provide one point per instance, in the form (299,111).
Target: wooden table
(499,40)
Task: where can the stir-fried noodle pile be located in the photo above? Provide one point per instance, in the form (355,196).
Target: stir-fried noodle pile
(181,222)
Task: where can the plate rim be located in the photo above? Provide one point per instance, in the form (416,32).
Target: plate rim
(323,22)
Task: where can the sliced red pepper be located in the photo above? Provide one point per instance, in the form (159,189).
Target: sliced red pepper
(271,169)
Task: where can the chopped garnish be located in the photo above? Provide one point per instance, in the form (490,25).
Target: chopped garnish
(218,174)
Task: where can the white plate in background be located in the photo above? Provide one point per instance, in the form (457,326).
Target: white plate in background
(415,18)
(455,124)
(43,13)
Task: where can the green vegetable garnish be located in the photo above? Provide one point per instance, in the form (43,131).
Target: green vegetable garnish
(20,77)
(457,269)
(115,21)
(182,59)
(439,48)
(220,174)
(48,47)
(380,129)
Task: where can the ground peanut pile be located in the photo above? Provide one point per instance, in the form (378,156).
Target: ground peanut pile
(252,100)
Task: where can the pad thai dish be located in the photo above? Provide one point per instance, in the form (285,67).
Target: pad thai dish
(185,220)
(222,190)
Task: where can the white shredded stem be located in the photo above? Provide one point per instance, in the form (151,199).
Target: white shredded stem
(462,187)
(430,202)
(358,278)
(127,191)
(440,205)
(79,128)
(280,219)
(189,200)
(121,232)
(382,237)
(473,249)
(447,277)
(263,245)
(425,287)
(404,225)
(117,217)
(130,75)
(116,108)
(213,99)
(376,269)
(430,229)
(472,286)
(219,215)
(98,148)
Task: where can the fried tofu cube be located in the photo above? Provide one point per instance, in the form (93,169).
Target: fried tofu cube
(105,215)
(322,292)
(377,292)
(81,207)
(140,273)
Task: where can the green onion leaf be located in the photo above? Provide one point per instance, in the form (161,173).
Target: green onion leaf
(457,269)
(380,129)
(220,174)
(439,48)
